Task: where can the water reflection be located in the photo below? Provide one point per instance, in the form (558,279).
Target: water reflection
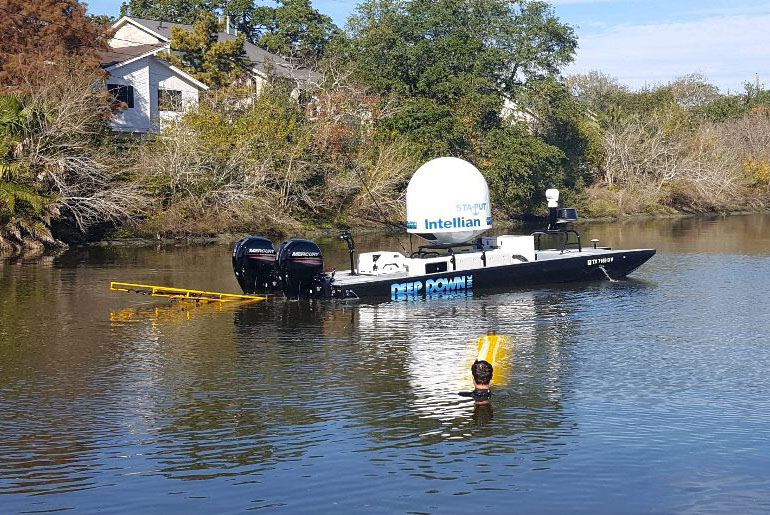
(169,312)
(196,398)
(414,358)
(482,412)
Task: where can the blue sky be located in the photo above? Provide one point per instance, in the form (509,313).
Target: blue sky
(644,41)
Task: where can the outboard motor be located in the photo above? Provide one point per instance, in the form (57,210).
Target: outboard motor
(299,264)
(254,265)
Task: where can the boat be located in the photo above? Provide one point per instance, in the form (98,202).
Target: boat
(447,206)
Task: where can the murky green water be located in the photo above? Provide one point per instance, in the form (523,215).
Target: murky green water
(645,395)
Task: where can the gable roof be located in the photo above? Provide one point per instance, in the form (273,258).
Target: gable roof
(114,56)
(261,59)
(112,59)
(182,73)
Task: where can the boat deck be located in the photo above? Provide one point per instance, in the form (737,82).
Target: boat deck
(343,278)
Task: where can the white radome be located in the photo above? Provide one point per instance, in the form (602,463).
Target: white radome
(448,198)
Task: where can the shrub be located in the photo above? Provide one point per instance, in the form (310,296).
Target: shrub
(54,163)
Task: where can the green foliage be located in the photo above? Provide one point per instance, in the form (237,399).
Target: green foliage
(102,20)
(727,107)
(564,122)
(177,11)
(11,128)
(24,211)
(293,29)
(224,168)
(235,163)
(448,48)
(54,163)
(270,124)
(415,80)
(198,51)
(519,168)
(448,65)
(433,126)
(611,103)
(690,95)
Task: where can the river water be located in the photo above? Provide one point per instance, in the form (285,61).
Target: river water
(648,395)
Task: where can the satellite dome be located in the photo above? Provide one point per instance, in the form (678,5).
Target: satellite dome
(447,201)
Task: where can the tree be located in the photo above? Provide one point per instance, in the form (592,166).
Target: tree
(693,90)
(600,92)
(104,21)
(199,52)
(519,167)
(464,56)
(448,65)
(176,11)
(431,47)
(38,34)
(564,122)
(294,29)
(24,212)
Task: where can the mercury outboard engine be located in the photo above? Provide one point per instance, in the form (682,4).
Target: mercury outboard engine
(254,265)
(300,265)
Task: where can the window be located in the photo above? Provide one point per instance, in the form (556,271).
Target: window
(169,100)
(122,94)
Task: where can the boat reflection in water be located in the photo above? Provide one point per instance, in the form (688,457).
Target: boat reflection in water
(399,366)
(242,389)
(437,343)
(417,355)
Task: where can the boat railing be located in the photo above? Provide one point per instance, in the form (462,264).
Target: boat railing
(565,242)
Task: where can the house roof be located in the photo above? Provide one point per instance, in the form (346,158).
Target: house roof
(118,55)
(261,59)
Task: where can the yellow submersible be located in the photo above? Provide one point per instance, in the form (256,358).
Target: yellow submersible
(496,350)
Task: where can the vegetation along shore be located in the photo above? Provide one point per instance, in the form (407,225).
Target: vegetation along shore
(402,83)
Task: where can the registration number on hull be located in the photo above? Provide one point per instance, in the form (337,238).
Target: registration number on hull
(600,261)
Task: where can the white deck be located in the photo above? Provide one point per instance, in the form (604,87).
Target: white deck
(343,277)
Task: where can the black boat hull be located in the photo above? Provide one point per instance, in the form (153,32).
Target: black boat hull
(570,268)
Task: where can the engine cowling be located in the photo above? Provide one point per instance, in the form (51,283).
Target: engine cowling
(254,260)
(300,266)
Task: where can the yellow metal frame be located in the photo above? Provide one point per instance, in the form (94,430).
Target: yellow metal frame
(181,293)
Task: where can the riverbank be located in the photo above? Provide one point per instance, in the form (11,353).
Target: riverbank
(328,233)
(286,168)
(368,230)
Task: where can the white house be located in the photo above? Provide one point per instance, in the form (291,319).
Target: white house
(154,91)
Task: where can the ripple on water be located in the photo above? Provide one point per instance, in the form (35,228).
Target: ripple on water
(651,389)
